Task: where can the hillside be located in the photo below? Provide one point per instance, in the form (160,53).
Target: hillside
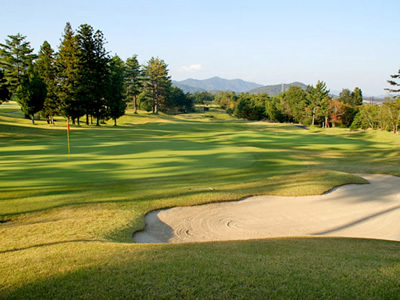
(215,84)
(273,90)
(187,88)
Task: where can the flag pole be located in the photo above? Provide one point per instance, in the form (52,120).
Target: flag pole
(68,129)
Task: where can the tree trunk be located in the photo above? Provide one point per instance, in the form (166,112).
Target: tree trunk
(134,105)
(33,119)
(91,119)
(79,122)
(326,122)
(115,122)
(98,121)
(87,119)
(313,116)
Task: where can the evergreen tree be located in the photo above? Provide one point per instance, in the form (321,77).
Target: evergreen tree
(67,71)
(145,100)
(317,97)
(394,83)
(352,101)
(296,98)
(15,58)
(134,78)
(115,99)
(4,88)
(178,101)
(250,107)
(158,82)
(31,93)
(202,97)
(324,110)
(92,72)
(357,97)
(46,67)
(272,110)
(345,96)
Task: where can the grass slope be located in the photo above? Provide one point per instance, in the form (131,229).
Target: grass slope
(66,222)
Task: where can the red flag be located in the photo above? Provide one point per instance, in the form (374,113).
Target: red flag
(68,127)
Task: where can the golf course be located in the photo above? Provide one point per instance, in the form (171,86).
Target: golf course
(68,221)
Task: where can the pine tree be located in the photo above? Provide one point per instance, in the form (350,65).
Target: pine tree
(67,75)
(92,79)
(392,82)
(115,99)
(102,73)
(134,78)
(157,82)
(45,66)
(15,57)
(4,88)
(31,93)
(318,99)
(346,97)
(357,97)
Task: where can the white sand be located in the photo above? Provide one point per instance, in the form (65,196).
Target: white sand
(365,211)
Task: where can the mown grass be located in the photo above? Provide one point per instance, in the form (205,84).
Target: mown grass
(272,268)
(67,221)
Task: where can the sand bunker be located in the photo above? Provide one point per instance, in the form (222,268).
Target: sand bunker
(366,211)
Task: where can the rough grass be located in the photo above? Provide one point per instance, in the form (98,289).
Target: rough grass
(64,218)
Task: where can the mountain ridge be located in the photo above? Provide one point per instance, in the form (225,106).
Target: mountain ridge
(275,89)
(215,84)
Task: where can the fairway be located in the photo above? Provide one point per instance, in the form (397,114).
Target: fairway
(67,221)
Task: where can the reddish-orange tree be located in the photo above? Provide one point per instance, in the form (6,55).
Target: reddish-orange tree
(337,110)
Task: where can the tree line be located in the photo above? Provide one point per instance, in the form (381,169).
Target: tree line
(81,79)
(313,106)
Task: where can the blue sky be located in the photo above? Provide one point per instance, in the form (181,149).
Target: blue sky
(344,43)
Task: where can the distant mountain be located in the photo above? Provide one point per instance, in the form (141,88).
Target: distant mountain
(273,90)
(187,88)
(215,84)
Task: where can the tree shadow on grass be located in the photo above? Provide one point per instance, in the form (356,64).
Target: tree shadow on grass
(274,268)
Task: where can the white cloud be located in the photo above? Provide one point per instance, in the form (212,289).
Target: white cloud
(191,68)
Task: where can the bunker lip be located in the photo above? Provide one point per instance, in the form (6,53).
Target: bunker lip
(360,211)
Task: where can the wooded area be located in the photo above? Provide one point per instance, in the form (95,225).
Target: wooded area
(81,79)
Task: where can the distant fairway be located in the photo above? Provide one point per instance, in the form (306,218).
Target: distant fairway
(67,221)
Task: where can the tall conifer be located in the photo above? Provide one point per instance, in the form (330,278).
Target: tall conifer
(93,71)
(67,69)
(115,97)
(15,58)
(45,66)
(134,78)
(31,93)
(158,82)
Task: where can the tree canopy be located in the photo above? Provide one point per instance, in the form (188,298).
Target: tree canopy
(15,58)
(31,93)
